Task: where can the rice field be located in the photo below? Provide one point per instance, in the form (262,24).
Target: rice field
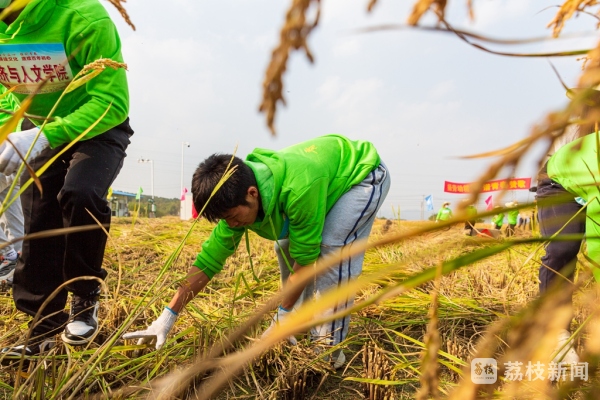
(430,300)
(413,334)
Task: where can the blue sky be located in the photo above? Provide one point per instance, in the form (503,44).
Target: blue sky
(196,68)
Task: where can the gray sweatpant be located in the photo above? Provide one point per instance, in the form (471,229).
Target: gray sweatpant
(350,219)
(11,220)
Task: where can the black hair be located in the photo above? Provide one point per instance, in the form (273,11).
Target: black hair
(231,194)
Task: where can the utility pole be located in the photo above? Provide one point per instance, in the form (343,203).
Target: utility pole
(182,214)
(152,210)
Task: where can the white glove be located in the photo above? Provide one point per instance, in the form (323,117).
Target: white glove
(10,160)
(281,315)
(158,330)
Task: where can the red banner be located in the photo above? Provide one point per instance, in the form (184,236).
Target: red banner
(491,186)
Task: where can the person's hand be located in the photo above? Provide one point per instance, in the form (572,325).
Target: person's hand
(158,331)
(9,159)
(281,315)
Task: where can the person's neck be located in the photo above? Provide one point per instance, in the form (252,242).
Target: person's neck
(12,17)
(261,212)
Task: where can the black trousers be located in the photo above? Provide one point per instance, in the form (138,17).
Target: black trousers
(510,230)
(560,256)
(470,225)
(77,182)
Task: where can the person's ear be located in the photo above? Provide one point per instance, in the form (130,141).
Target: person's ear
(252,191)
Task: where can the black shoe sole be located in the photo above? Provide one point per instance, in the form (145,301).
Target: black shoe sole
(13,363)
(13,360)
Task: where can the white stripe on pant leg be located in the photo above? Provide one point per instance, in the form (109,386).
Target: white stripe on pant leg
(366,228)
(378,185)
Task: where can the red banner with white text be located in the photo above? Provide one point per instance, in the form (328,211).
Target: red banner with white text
(491,186)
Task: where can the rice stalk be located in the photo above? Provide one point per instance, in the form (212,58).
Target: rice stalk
(429,365)
(293,36)
(566,11)
(213,309)
(303,319)
(422,6)
(468,34)
(119,6)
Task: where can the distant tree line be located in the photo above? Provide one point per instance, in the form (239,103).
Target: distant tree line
(164,206)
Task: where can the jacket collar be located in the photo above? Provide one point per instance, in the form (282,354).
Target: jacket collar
(33,16)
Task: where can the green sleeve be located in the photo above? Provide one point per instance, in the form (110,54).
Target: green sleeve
(306,212)
(98,40)
(498,219)
(471,212)
(512,217)
(439,215)
(221,244)
(592,233)
(7,102)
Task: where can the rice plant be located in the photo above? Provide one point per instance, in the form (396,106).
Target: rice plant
(430,300)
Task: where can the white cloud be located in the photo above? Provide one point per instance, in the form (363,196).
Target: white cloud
(329,89)
(195,71)
(350,97)
(441,90)
(346,47)
(493,13)
(184,51)
(260,43)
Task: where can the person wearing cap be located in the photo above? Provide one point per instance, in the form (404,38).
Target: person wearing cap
(511,216)
(444,214)
(471,220)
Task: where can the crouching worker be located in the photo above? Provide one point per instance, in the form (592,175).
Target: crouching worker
(312,199)
(572,172)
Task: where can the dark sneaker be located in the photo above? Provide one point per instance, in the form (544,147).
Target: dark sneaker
(7,270)
(83,319)
(10,356)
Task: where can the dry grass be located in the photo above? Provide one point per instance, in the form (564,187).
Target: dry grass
(469,301)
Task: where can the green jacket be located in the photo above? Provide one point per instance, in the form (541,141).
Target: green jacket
(444,214)
(471,212)
(575,167)
(298,186)
(512,217)
(44,34)
(498,219)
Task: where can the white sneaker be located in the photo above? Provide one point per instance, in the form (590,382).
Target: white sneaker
(9,356)
(82,326)
(564,351)
(7,270)
(340,361)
